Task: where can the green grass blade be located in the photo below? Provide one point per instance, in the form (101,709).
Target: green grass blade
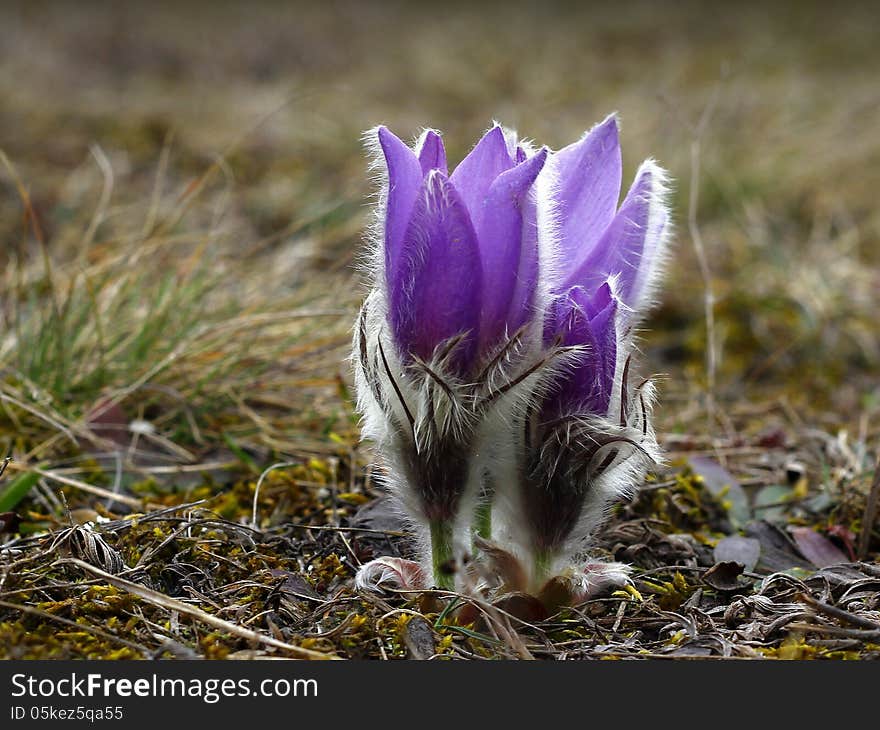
(17,490)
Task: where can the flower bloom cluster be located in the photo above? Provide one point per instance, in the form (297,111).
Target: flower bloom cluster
(493,353)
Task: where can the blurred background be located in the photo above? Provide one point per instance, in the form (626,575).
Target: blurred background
(196,190)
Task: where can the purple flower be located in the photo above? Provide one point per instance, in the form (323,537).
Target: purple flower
(598,240)
(493,353)
(609,260)
(454,288)
(588,435)
(460,250)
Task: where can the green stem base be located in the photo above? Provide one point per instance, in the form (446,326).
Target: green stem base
(483,521)
(442,554)
(542,562)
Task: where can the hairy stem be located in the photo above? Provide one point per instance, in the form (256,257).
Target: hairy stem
(483,520)
(482,526)
(542,562)
(441,554)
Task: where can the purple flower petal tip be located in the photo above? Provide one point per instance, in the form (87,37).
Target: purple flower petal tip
(589,174)
(461,251)
(631,247)
(478,170)
(508,234)
(404,180)
(431,152)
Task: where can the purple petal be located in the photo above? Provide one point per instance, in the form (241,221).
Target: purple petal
(576,300)
(437,292)
(600,310)
(431,152)
(404,181)
(579,318)
(508,236)
(593,305)
(476,172)
(648,249)
(630,246)
(589,187)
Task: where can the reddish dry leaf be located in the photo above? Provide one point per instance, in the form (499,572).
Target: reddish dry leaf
(846,537)
(818,549)
(778,551)
(108,420)
(775,438)
(503,564)
(555,594)
(524,606)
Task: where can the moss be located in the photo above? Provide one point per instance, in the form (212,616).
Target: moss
(685,506)
(669,594)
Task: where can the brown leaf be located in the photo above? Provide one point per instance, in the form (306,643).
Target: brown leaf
(774,438)
(778,552)
(419,639)
(819,550)
(844,536)
(293,585)
(555,594)
(83,515)
(504,565)
(524,606)
(108,420)
(9,522)
(466,614)
(838,578)
(724,576)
